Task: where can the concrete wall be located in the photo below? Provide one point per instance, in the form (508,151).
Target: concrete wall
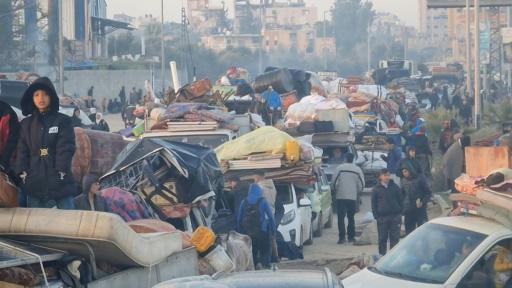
(108,83)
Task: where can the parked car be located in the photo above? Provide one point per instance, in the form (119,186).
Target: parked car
(321,203)
(260,279)
(296,223)
(449,252)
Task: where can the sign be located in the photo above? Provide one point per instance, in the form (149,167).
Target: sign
(506,35)
(462,3)
(485,43)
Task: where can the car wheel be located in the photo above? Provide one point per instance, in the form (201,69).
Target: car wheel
(320,226)
(310,240)
(329,222)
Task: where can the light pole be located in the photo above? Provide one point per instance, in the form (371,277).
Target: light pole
(325,41)
(61,52)
(368,47)
(162,60)
(477,65)
(468,47)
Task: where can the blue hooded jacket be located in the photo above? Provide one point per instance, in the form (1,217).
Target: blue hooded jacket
(394,156)
(267,221)
(273,99)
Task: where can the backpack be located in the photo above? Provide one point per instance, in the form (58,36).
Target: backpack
(251,219)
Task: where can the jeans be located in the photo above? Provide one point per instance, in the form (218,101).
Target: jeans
(346,208)
(261,250)
(65,203)
(388,227)
(414,218)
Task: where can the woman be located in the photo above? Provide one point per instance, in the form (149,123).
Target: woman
(101,124)
(75,119)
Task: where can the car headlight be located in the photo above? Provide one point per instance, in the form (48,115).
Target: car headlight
(288,217)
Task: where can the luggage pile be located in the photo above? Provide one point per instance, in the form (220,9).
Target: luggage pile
(486,188)
(317,114)
(285,80)
(181,117)
(264,148)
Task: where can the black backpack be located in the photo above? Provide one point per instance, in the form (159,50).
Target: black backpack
(251,219)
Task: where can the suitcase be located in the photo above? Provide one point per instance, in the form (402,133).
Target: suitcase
(199,88)
(306,127)
(323,126)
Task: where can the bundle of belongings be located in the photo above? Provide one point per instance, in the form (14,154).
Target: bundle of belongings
(181,117)
(284,80)
(317,114)
(265,147)
(197,91)
(166,174)
(371,98)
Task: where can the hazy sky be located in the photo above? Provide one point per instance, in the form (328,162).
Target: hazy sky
(405,9)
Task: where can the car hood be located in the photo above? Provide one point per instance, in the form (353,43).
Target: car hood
(366,278)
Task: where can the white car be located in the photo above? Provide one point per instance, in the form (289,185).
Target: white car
(449,252)
(295,225)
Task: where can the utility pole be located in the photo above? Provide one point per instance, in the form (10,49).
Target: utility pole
(262,38)
(162,55)
(477,65)
(325,42)
(61,52)
(468,47)
(368,48)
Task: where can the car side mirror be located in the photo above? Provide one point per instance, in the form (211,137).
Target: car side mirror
(304,202)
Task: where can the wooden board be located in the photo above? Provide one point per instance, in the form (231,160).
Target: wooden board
(480,161)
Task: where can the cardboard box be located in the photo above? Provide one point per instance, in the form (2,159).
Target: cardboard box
(480,161)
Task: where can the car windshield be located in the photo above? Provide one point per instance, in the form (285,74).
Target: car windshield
(430,254)
(284,194)
(210,141)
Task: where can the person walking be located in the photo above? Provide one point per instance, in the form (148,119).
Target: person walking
(9,135)
(46,148)
(417,193)
(75,119)
(348,183)
(446,137)
(90,97)
(122,96)
(100,124)
(423,151)
(387,208)
(453,161)
(255,219)
(273,100)
(466,112)
(393,158)
(410,162)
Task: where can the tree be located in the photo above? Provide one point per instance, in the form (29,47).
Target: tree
(351,20)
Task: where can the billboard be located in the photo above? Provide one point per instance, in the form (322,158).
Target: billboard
(462,3)
(506,36)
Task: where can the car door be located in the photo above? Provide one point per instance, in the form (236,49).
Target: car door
(325,195)
(305,213)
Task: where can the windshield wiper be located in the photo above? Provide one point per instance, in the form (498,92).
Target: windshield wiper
(409,277)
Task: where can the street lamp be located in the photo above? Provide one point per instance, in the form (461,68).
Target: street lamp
(61,52)
(162,71)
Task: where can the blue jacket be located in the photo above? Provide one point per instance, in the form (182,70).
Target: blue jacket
(266,217)
(272,98)
(394,158)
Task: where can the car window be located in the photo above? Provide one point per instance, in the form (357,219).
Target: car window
(493,269)
(284,194)
(430,254)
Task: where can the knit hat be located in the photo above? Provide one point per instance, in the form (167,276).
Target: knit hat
(87,182)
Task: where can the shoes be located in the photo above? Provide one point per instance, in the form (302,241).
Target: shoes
(351,241)
(341,242)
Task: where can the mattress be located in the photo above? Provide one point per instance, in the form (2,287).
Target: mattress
(111,239)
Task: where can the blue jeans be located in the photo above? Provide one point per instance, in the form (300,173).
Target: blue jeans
(65,203)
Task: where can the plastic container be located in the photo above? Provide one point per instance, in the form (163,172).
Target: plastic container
(219,260)
(203,238)
(292,152)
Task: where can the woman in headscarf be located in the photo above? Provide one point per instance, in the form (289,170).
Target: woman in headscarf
(75,119)
(101,124)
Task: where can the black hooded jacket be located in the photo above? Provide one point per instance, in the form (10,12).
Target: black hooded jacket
(46,146)
(415,187)
(12,137)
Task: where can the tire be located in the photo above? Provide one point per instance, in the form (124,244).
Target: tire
(310,240)
(320,227)
(329,222)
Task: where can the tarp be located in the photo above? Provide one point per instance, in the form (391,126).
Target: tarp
(198,165)
(262,140)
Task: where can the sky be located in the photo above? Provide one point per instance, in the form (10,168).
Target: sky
(406,10)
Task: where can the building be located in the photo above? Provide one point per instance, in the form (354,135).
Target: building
(207,19)
(222,42)
(433,24)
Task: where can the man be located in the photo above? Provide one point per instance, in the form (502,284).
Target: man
(349,182)
(387,207)
(45,149)
(89,200)
(466,112)
(453,161)
(273,100)
(90,97)
(122,96)
(393,158)
(446,137)
(9,134)
(255,219)
(416,196)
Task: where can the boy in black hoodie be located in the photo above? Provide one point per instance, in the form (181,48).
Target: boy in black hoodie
(46,148)
(387,208)
(416,196)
